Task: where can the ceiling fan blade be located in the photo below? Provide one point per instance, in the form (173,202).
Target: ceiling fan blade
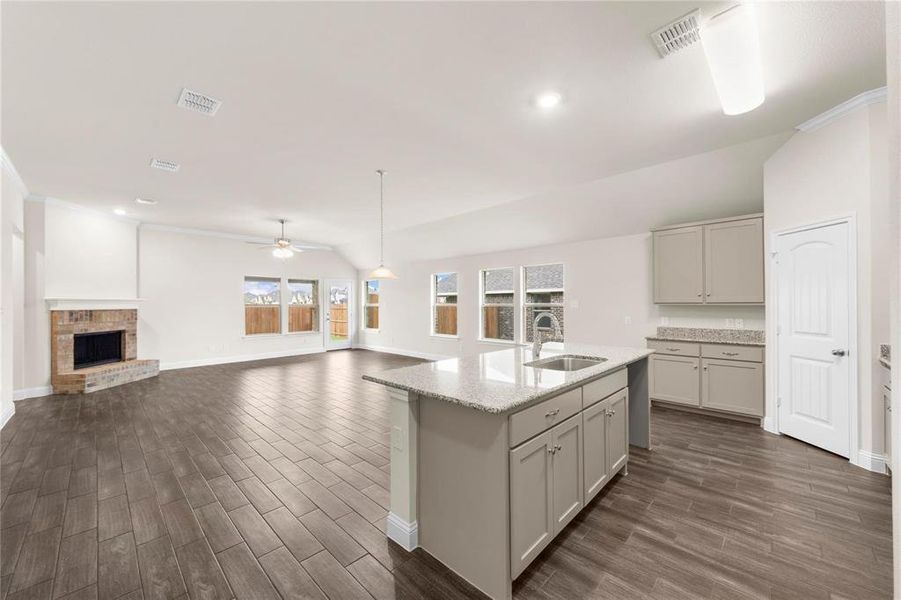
(297,248)
(267,247)
(257,243)
(309,246)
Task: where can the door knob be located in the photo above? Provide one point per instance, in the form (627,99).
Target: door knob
(839,352)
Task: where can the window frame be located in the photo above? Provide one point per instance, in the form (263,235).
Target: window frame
(482,304)
(280,305)
(433,313)
(287,305)
(366,304)
(524,305)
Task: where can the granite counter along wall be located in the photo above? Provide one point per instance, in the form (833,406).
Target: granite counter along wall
(746,337)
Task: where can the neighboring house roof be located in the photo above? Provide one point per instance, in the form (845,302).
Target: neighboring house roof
(497,281)
(544,277)
(447,284)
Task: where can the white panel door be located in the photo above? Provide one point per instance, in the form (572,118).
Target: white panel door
(813,291)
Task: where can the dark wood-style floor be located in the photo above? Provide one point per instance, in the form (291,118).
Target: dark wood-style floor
(263,479)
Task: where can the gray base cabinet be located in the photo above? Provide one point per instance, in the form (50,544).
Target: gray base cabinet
(714,377)
(887,414)
(531,500)
(606,445)
(557,470)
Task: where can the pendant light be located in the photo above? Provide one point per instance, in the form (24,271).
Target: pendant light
(382,272)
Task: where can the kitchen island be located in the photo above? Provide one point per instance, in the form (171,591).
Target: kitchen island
(492,456)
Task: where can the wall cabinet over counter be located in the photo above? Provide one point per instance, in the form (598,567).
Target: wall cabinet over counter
(710,262)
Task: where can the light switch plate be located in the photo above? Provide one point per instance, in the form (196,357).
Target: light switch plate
(730,323)
(664,321)
(627,320)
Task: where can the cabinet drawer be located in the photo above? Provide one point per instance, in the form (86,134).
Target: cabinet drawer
(730,352)
(677,348)
(535,419)
(597,390)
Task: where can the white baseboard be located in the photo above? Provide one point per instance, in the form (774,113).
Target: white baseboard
(222,360)
(870,461)
(404,533)
(7,415)
(35,392)
(402,352)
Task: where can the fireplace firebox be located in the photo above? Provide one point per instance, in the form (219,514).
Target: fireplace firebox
(97,348)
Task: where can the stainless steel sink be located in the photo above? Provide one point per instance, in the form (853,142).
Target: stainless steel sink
(565,362)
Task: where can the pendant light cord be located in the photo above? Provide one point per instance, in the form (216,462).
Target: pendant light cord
(381,173)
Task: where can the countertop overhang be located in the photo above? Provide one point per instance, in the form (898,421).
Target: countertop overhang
(499,381)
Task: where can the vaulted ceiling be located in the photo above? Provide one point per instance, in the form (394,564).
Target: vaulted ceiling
(316,96)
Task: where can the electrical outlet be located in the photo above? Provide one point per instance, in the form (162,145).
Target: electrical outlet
(739,323)
(627,320)
(730,323)
(664,321)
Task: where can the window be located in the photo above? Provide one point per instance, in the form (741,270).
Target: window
(303,305)
(371,304)
(542,292)
(497,304)
(444,304)
(262,305)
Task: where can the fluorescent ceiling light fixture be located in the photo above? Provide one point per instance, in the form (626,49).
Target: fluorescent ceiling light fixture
(119,211)
(548,100)
(282,252)
(732,46)
(147,201)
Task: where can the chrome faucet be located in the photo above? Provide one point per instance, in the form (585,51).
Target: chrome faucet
(537,332)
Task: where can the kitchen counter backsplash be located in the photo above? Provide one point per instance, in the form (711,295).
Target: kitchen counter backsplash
(753,337)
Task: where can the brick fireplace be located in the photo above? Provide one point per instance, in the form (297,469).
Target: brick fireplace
(105,364)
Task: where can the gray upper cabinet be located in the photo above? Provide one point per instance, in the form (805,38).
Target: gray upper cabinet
(714,262)
(678,266)
(733,262)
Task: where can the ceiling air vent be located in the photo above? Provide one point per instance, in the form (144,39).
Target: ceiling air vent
(165,165)
(681,33)
(198,102)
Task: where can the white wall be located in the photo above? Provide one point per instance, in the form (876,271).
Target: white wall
(193,312)
(88,254)
(838,170)
(607,280)
(12,194)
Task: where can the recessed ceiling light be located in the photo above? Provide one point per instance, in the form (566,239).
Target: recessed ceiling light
(548,100)
(165,165)
(119,211)
(145,201)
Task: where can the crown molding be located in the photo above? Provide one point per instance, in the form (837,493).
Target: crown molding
(227,236)
(7,164)
(837,112)
(81,208)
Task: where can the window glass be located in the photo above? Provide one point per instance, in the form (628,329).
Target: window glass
(262,305)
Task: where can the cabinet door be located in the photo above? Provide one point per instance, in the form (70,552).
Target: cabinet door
(567,471)
(531,508)
(617,431)
(733,262)
(594,456)
(732,385)
(675,379)
(679,266)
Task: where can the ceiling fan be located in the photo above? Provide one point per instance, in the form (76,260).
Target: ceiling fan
(283,247)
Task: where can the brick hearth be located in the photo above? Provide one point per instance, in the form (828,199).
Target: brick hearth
(64,324)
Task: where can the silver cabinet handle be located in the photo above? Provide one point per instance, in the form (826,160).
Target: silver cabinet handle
(708,293)
(839,352)
(696,367)
(551,450)
(674,349)
(730,353)
(552,413)
(558,447)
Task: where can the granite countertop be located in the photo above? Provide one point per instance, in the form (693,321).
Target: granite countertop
(497,382)
(736,337)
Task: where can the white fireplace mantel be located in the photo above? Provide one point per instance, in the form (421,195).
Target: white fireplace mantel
(92,303)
